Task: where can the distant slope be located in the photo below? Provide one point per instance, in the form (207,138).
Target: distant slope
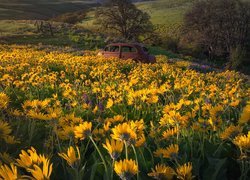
(161,10)
(168,12)
(40,9)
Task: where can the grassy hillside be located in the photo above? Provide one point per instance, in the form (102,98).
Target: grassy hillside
(41,9)
(167,12)
(161,11)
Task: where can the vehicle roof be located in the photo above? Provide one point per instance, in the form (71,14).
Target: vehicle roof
(124,44)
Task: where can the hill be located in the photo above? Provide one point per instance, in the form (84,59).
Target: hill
(41,9)
(161,11)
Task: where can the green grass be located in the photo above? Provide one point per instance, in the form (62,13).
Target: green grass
(40,9)
(160,51)
(13,27)
(167,12)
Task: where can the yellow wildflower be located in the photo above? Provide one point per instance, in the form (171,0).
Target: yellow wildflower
(162,172)
(109,103)
(26,160)
(126,169)
(170,152)
(140,141)
(5,130)
(8,173)
(124,132)
(114,148)
(184,172)
(98,134)
(170,132)
(245,115)
(243,142)
(4,100)
(230,132)
(42,173)
(83,130)
(71,157)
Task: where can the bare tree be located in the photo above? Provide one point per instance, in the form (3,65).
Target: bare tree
(123,17)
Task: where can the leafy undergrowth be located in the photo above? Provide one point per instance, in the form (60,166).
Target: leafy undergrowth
(65,116)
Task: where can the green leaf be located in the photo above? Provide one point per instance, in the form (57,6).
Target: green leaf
(216,169)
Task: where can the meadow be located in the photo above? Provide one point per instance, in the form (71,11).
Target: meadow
(64,116)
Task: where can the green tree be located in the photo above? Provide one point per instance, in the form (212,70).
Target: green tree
(219,26)
(122,17)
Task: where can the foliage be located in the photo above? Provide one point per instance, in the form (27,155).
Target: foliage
(124,18)
(71,18)
(86,117)
(218,26)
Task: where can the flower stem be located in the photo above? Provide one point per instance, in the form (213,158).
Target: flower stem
(136,161)
(126,149)
(99,152)
(112,169)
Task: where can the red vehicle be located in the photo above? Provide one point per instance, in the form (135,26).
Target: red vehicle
(133,51)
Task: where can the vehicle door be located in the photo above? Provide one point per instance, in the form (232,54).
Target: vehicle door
(128,52)
(112,51)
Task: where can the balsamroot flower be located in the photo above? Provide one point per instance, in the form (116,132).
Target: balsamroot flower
(184,172)
(4,100)
(126,169)
(245,115)
(231,132)
(124,132)
(43,172)
(114,148)
(169,133)
(162,172)
(71,157)
(38,165)
(5,130)
(83,130)
(170,152)
(8,173)
(243,142)
(29,158)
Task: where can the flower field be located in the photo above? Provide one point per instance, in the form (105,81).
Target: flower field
(64,116)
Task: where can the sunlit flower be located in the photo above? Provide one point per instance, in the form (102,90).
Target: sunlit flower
(71,157)
(83,130)
(184,172)
(124,132)
(5,157)
(109,103)
(140,141)
(169,133)
(243,142)
(98,134)
(4,100)
(162,172)
(126,169)
(8,173)
(44,172)
(5,129)
(29,158)
(114,148)
(11,140)
(106,126)
(245,115)
(231,132)
(170,152)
